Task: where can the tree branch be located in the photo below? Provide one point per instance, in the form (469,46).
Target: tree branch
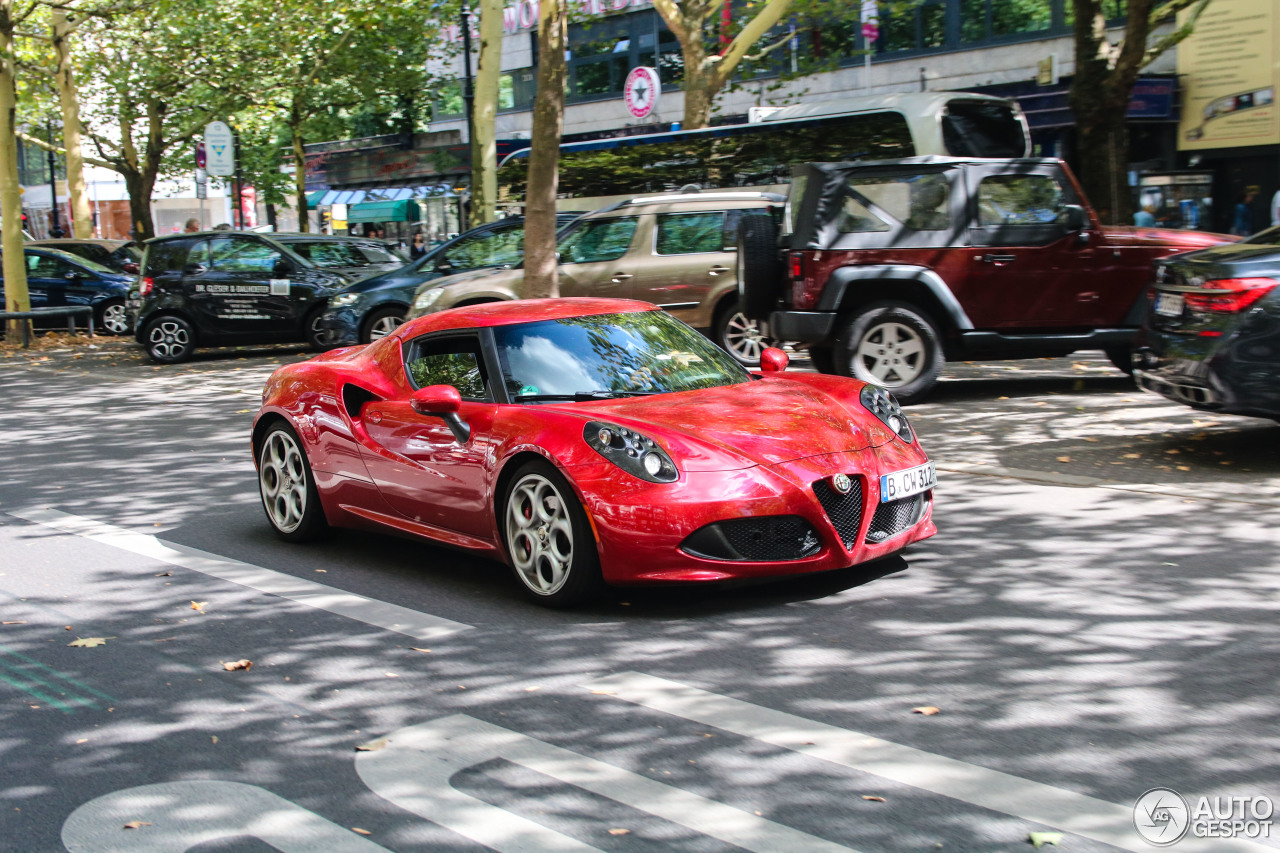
(1173,38)
(747,36)
(40,143)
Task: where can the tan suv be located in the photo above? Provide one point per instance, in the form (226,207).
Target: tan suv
(677,251)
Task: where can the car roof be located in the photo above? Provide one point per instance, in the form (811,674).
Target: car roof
(55,242)
(296,236)
(692,202)
(517,311)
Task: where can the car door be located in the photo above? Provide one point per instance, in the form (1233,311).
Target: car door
(1029,268)
(233,287)
(423,472)
(54,281)
(689,256)
(600,257)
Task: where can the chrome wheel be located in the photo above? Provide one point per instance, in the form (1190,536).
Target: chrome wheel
(115,319)
(890,354)
(742,338)
(169,339)
(282,479)
(539,534)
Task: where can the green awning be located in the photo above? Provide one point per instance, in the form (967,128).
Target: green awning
(314,198)
(405,210)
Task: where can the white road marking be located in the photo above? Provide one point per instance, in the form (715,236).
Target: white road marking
(184,814)
(980,786)
(414,771)
(391,617)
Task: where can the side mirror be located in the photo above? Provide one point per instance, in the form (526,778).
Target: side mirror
(442,401)
(773,360)
(1076,219)
(281,269)
(195,269)
(73,276)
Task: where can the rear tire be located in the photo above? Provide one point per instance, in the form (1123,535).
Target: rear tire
(893,345)
(287,487)
(759,267)
(169,339)
(549,539)
(382,322)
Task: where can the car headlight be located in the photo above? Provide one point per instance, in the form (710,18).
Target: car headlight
(632,452)
(882,404)
(423,301)
(342,300)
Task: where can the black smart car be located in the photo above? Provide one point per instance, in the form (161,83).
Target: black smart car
(1212,333)
(226,288)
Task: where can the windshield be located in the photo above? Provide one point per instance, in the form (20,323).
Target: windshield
(641,352)
(334,255)
(92,266)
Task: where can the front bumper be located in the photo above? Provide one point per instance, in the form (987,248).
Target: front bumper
(342,325)
(641,526)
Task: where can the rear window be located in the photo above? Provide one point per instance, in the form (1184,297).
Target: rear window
(983,129)
(169,256)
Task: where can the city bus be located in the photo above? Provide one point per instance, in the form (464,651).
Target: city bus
(759,155)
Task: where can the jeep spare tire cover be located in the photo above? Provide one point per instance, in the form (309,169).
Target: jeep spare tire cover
(759,268)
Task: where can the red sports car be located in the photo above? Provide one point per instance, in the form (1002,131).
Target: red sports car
(587,442)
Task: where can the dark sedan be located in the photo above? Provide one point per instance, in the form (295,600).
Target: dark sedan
(55,277)
(1212,333)
(120,255)
(369,309)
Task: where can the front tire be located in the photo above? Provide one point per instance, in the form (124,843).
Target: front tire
(893,345)
(1121,358)
(549,539)
(113,317)
(170,339)
(319,339)
(288,489)
(381,323)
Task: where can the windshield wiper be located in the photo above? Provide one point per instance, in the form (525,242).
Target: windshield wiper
(582,396)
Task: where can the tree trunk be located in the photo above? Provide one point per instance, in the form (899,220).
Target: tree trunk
(16,297)
(541,276)
(699,87)
(1102,149)
(139,189)
(300,179)
(484,151)
(69,98)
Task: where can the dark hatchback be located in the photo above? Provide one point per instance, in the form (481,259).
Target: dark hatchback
(120,255)
(226,288)
(370,308)
(1211,338)
(55,277)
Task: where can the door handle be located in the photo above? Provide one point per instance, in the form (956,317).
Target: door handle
(620,277)
(999,259)
(717,269)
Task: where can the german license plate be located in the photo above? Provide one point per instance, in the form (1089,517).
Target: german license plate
(904,484)
(1169,304)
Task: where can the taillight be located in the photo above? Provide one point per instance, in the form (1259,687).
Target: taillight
(144,286)
(797,266)
(1230,295)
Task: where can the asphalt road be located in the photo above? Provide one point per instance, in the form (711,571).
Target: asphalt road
(1095,618)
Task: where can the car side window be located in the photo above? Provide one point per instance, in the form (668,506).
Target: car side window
(454,360)
(856,217)
(598,240)
(1019,200)
(491,249)
(689,233)
(43,266)
(231,254)
(199,254)
(165,257)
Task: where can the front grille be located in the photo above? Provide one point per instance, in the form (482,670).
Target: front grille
(845,511)
(893,517)
(767,538)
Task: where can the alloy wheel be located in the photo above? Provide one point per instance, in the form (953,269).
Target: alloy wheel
(383,326)
(539,534)
(282,478)
(891,354)
(115,319)
(169,340)
(743,338)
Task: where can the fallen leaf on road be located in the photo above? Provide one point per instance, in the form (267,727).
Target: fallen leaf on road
(416,649)
(873,799)
(604,692)
(1093,439)
(90,642)
(373,745)
(927,710)
(1184,467)
(243,411)
(1040,839)
(83,740)
(1133,456)
(198,605)
(1064,458)
(531,689)
(136,824)
(214,738)
(390,675)
(232,666)
(1173,451)
(361,831)
(165,575)
(619,832)
(15,622)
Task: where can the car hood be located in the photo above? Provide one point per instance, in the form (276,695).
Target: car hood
(1183,241)
(763,422)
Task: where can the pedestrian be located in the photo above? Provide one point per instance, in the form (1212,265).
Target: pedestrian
(222,226)
(192,226)
(1145,218)
(1242,225)
(418,247)
(1275,209)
